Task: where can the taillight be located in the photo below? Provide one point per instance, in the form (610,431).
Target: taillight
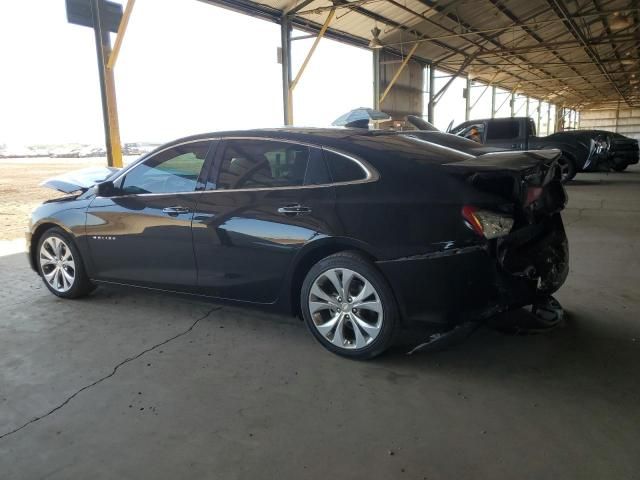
(533,194)
(485,223)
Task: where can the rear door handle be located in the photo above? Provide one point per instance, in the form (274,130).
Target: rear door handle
(294,210)
(175,210)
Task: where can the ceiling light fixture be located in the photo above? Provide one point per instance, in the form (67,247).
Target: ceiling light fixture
(620,22)
(375,41)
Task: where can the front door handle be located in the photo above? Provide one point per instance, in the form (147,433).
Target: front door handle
(294,210)
(177,210)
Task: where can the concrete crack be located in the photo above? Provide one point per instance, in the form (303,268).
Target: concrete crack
(113,372)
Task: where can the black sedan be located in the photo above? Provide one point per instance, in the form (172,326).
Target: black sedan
(361,233)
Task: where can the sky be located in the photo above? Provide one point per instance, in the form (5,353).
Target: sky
(185,67)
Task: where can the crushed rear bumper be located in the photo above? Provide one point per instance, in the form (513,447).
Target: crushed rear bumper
(450,287)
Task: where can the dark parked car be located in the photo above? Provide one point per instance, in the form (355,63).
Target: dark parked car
(362,233)
(581,150)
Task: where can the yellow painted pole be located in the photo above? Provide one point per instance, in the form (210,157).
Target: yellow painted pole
(326,24)
(114,126)
(122,28)
(397,75)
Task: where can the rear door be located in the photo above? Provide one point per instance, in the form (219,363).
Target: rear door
(265,200)
(505,133)
(142,233)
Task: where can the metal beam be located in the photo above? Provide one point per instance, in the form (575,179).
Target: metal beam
(397,74)
(122,29)
(467,100)
(295,9)
(512,103)
(285,43)
(493,101)
(376,78)
(446,86)
(432,87)
(326,24)
(107,89)
(575,31)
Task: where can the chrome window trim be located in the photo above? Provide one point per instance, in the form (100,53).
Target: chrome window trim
(372,174)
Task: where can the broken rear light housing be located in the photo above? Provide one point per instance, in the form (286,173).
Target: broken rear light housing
(486,223)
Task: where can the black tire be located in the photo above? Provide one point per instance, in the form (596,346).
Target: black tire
(621,167)
(383,296)
(567,167)
(81,285)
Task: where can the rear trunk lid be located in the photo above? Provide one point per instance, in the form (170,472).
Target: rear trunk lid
(529,181)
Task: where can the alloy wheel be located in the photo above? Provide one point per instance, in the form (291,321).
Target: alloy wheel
(57,264)
(345,308)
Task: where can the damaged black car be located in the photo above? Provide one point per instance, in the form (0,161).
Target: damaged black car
(360,233)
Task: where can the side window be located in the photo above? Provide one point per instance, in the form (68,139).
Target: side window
(343,169)
(473,131)
(171,171)
(503,130)
(266,164)
(459,129)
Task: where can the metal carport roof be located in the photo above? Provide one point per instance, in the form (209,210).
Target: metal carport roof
(576,53)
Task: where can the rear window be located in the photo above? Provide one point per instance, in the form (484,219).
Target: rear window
(503,130)
(344,169)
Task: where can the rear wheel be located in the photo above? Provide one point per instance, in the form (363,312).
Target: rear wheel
(621,167)
(60,265)
(567,169)
(349,307)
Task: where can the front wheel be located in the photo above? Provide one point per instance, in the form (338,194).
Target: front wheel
(349,307)
(60,265)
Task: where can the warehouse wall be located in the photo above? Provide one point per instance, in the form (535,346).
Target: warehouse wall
(406,96)
(625,121)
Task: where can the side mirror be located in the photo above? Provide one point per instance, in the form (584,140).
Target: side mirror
(106,189)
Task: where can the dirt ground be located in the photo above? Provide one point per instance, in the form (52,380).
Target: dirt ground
(20,192)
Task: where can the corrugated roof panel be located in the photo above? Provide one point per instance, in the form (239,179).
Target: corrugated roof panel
(524,44)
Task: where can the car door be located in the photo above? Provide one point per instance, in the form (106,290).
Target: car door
(142,233)
(265,200)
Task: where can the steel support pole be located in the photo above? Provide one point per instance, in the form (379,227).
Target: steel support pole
(285,40)
(493,101)
(467,100)
(512,103)
(107,89)
(549,118)
(527,106)
(376,78)
(539,116)
(432,87)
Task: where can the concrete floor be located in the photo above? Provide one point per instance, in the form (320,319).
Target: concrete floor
(137,385)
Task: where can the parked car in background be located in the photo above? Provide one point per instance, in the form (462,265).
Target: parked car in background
(360,232)
(580,150)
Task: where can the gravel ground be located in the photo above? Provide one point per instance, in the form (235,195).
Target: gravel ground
(20,192)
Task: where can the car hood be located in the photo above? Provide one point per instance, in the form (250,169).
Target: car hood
(79,180)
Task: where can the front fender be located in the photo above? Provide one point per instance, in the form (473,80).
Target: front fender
(69,215)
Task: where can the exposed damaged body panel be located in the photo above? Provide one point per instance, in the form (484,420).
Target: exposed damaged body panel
(79,180)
